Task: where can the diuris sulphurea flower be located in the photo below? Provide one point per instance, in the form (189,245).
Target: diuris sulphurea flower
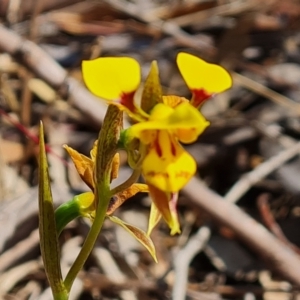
(162,122)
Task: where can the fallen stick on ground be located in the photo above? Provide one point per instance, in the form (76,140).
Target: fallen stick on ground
(198,242)
(264,169)
(278,256)
(266,92)
(49,70)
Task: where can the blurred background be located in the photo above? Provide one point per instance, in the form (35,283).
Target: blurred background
(42,44)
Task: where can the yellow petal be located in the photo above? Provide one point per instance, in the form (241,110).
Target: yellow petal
(185,120)
(187,136)
(199,74)
(148,136)
(111,77)
(164,204)
(115,167)
(161,111)
(173,100)
(83,165)
(154,218)
(93,152)
(167,165)
(86,205)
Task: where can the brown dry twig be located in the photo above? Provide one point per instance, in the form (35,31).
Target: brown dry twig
(264,169)
(276,253)
(167,27)
(270,222)
(227,9)
(197,243)
(12,255)
(264,91)
(183,259)
(46,68)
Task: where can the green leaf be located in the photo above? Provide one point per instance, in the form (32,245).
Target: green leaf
(152,93)
(47,227)
(138,234)
(66,213)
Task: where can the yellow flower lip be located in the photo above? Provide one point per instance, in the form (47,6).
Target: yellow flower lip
(167,165)
(203,79)
(162,123)
(163,205)
(182,120)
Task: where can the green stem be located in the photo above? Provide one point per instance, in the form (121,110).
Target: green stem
(128,183)
(90,239)
(61,296)
(66,213)
(135,174)
(106,149)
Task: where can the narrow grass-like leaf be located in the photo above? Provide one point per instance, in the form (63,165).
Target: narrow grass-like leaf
(47,227)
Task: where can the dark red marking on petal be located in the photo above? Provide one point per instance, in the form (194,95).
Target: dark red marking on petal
(153,174)
(173,148)
(158,148)
(199,97)
(128,101)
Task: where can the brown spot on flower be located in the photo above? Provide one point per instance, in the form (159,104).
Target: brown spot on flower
(154,174)
(183,174)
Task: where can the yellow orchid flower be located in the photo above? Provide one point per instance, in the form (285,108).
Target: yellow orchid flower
(167,165)
(163,121)
(168,120)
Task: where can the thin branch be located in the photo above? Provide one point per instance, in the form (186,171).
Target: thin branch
(166,27)
(183,259)
(231,8)
(266,92)
(281,257)
(49,70)
(270,222)
(264,169)
(237,191)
